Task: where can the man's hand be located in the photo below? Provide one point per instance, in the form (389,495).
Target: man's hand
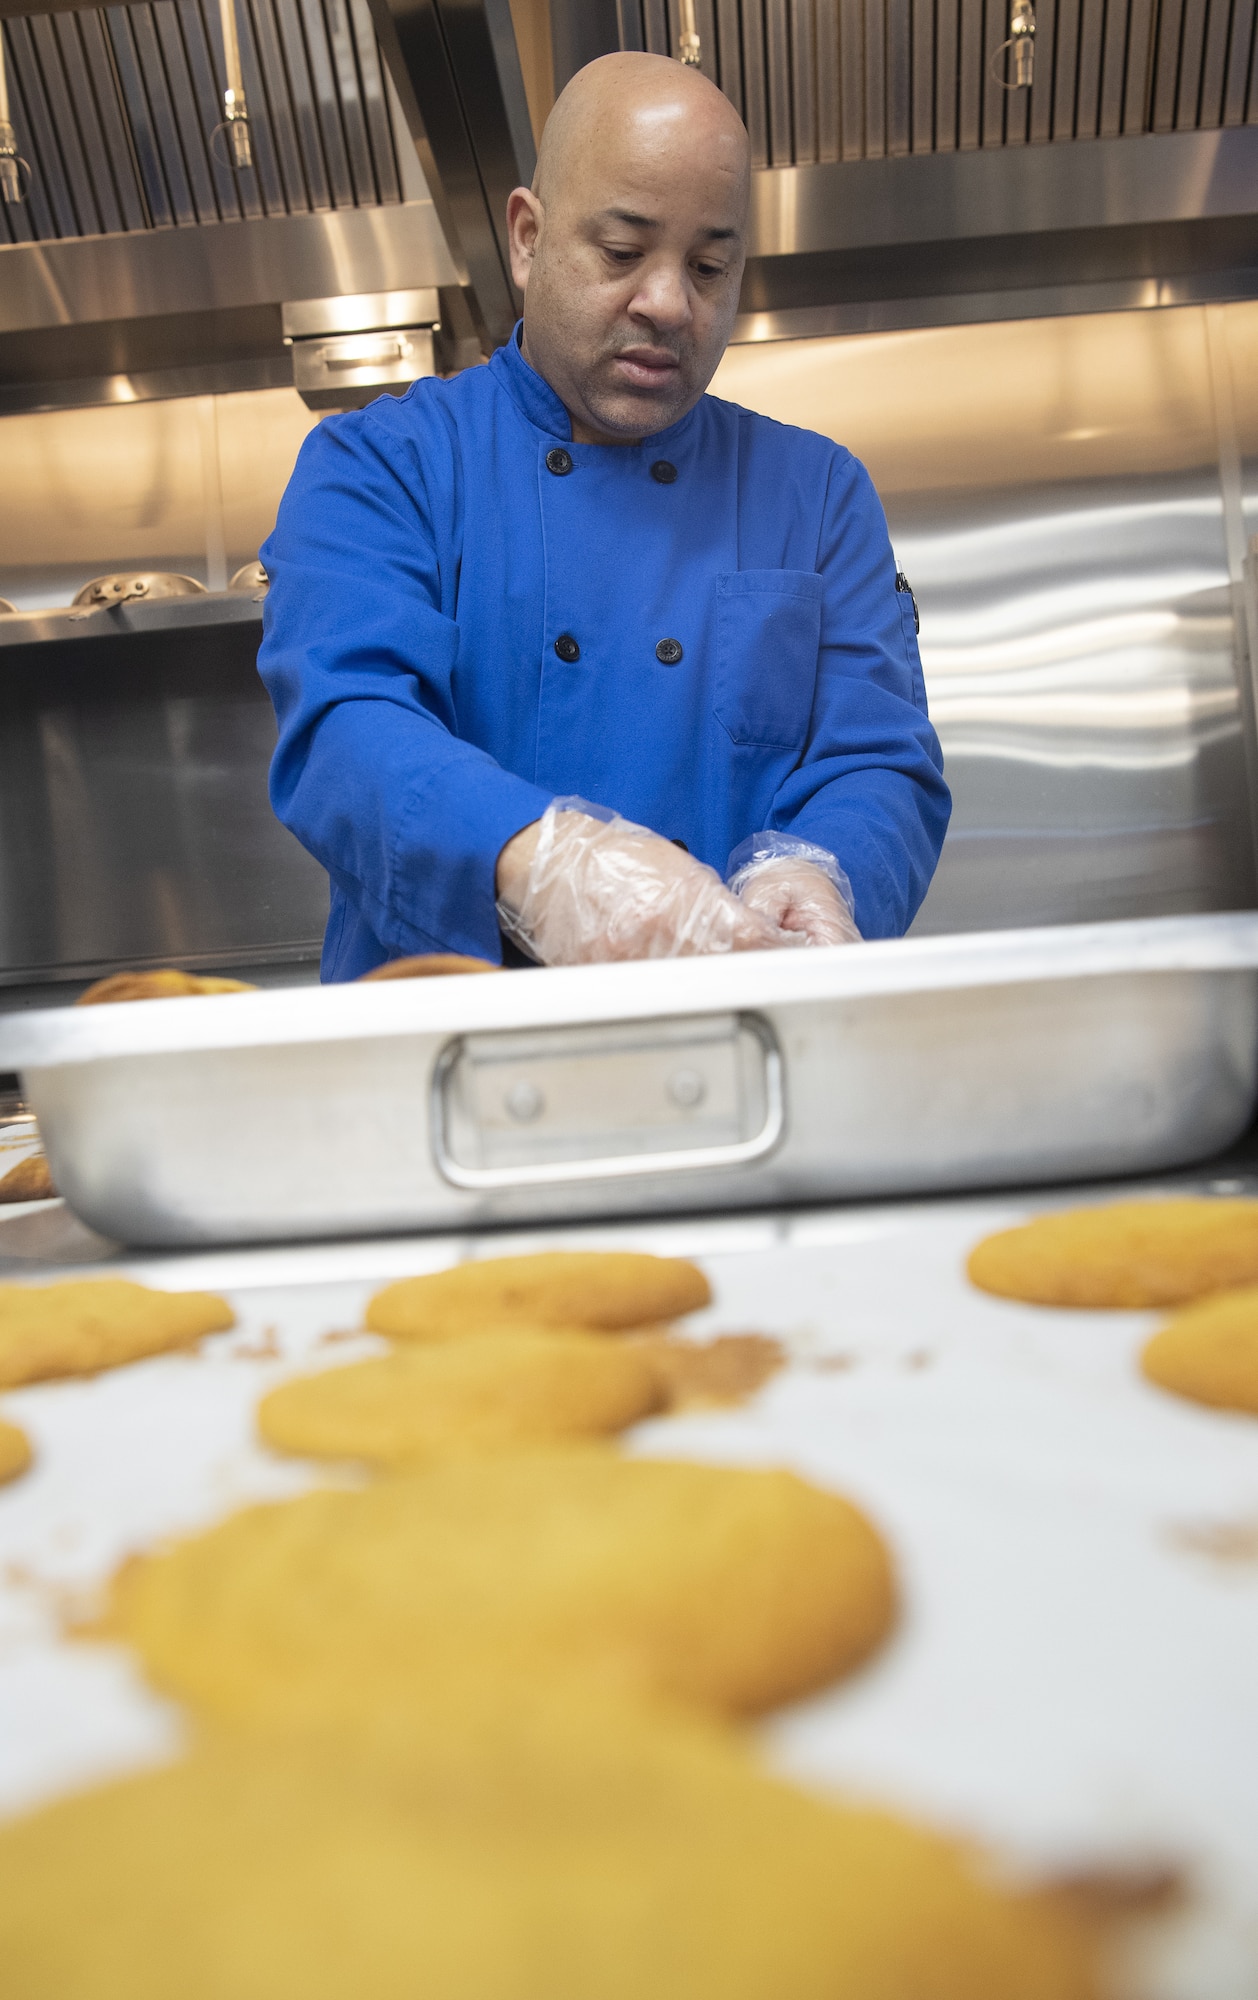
(796,896)
(576,890)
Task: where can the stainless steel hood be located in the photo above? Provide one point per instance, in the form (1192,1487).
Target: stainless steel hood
(361,181)
(899,183)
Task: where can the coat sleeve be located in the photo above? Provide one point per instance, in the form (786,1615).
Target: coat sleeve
(358,656)
(869,787)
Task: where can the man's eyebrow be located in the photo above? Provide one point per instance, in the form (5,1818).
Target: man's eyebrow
(626,215)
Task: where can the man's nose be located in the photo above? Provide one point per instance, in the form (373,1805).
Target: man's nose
(663,296)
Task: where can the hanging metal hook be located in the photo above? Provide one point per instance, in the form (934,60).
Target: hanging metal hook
(235,111)
(12,165)
(689,50)
(1022,42)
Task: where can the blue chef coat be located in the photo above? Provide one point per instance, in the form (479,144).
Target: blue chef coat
(465,621)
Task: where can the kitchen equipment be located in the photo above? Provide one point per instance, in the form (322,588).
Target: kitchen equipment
(134,586)
(766,1078)
(250,580)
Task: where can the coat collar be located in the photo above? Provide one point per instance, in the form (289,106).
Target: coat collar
(533,396)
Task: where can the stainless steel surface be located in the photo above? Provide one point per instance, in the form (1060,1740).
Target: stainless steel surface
(190,484)
(251,263)
(359,313)
(456,69)
(136,587)
(134,819)
(512,1110)
(1161,209)
(347,350)
(1058,495)
(351,370)
(842,81)
(942,1063)
(250,580)
(117,108)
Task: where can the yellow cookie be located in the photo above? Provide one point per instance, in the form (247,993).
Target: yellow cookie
(164,985)
(1210,1353)
(88,1324)
(29,1180)
(732,1589)
(429,965)
(620,1861)
(607,1289)
(1133,1253)
(15,1452)
(504,1389)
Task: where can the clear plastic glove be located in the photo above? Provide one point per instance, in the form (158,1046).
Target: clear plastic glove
(596,887)
(795,886)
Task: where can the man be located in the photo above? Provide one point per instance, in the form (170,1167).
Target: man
(573,577)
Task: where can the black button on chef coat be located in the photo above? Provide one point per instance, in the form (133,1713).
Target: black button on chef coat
(558,461)
(567,648)
(668,652)
(663,472)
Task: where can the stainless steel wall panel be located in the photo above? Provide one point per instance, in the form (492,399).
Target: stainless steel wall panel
(63,112)
(730,44)
(947,73)
(898,41)
(655,26)
(1088,83)
(1113,73)
(305,115)
(829,135)
(875,80)
(804,77)
(375,104)
(973,66)
(1214,62)
(281,120)
(194,116)
(852,79)
(922,29)
(37,127)
(777,48)
(755,80)
(84,54)
(1040,107)
(1065,68)
(165,122)
(326,104)
(1192,48)
(349,98)
(139,117)
(1166,65)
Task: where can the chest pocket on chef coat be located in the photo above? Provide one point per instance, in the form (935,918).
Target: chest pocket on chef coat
(768,633)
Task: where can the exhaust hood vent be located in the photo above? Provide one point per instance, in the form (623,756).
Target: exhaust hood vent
(116,109)
(820,80)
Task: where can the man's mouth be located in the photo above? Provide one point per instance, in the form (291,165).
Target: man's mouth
(646,367)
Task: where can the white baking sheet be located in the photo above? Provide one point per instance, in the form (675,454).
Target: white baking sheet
(1075,1681)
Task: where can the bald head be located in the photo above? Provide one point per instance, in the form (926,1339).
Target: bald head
(629,246)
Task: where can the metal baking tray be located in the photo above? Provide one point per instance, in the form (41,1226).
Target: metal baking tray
(766,1079)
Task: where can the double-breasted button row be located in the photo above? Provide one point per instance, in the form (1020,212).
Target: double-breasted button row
(668,652)
(559,461)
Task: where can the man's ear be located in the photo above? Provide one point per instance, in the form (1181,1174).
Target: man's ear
(524,227)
